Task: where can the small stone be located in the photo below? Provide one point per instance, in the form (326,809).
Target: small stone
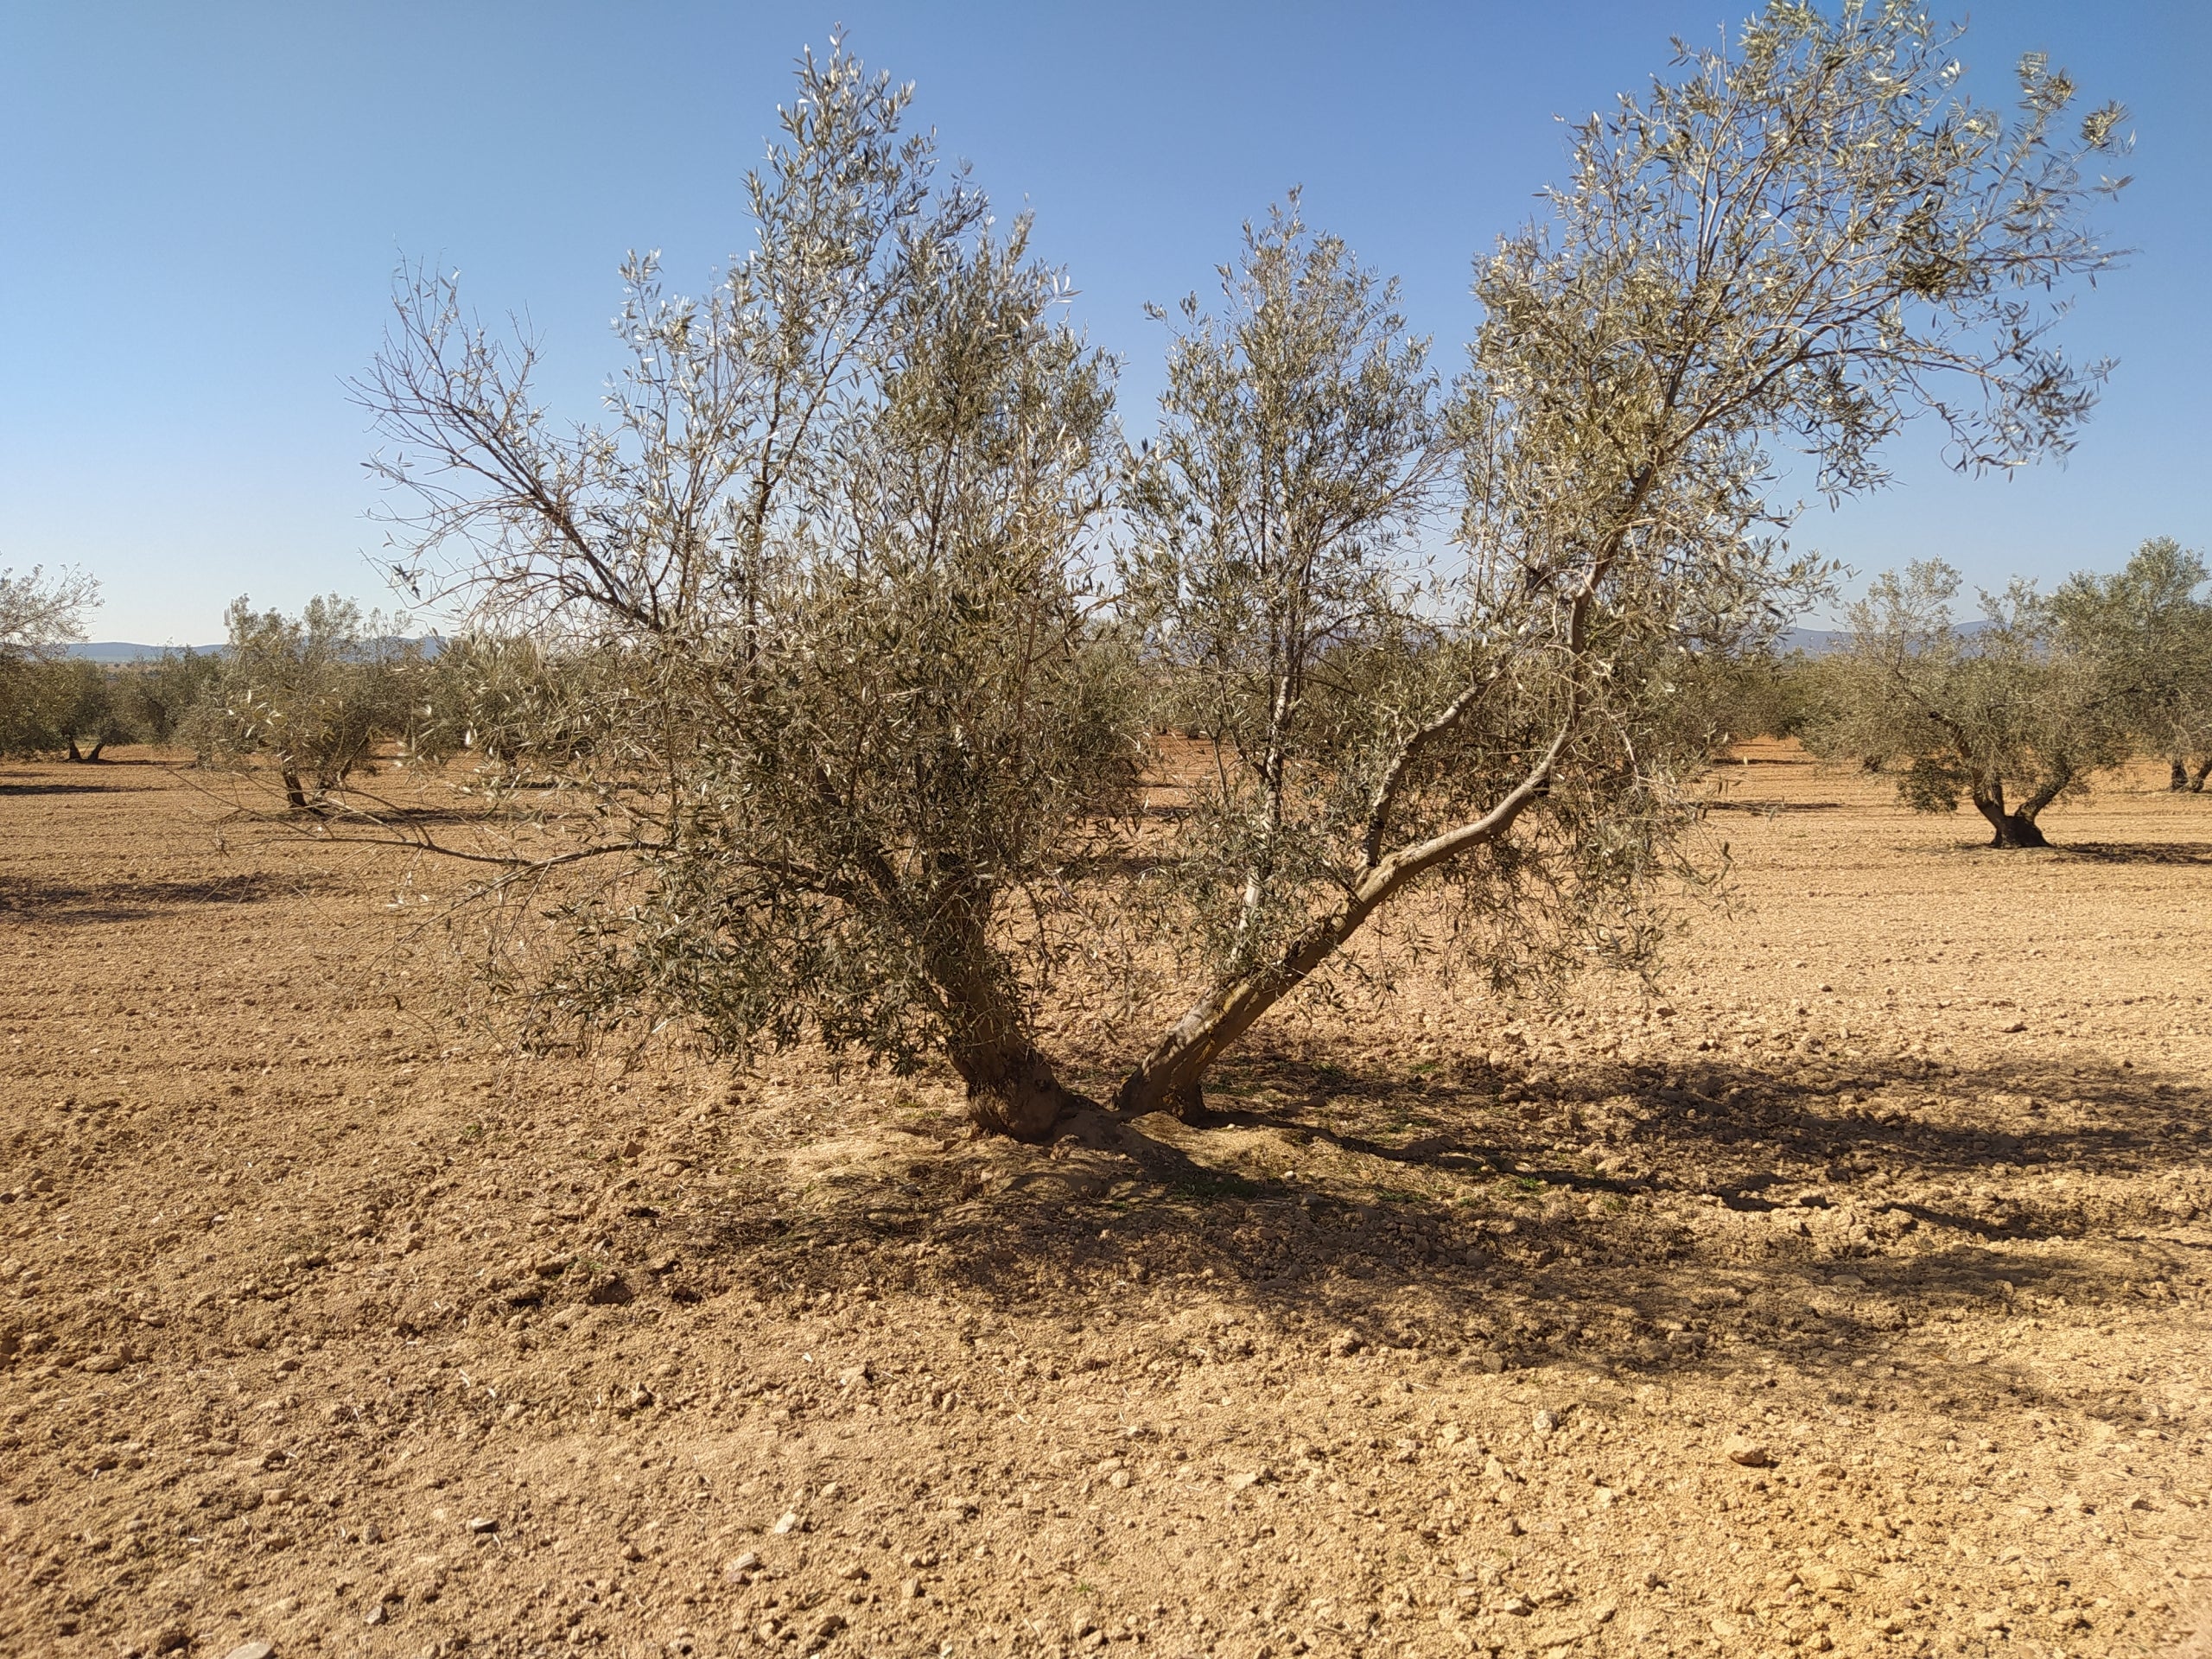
(632,1553)
(633,1149)
(1546,1421)
(1741,1448)
(101,1363)
(483,1523)
(375,1615)
(252,1650)
(170,1638)
(787,1521)
(2015,1026)
(1344,1344)
(911,1589)
(1243,1482)
(1514,1607)
(372,1534)
(739,1569)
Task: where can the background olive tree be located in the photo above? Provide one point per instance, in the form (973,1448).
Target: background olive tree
(2149,634)
(1803,241)
(311,694)
(832,547)
(39,692)
(2004,713)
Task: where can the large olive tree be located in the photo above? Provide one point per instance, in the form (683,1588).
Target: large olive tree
(857,727)
(1803,241)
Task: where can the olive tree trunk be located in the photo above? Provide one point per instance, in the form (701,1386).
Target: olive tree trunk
(1012,1088)
(1171,1077)
(2015,826)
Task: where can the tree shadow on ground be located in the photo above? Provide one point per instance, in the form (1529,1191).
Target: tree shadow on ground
(1625,1222)
(72,904)
(1770,809)
(2121,852)
(71,788)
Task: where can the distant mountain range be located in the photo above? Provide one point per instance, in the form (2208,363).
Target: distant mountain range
(1815,642)
(117,651)
(122,651)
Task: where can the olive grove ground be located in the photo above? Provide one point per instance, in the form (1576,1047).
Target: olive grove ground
(1849,1298)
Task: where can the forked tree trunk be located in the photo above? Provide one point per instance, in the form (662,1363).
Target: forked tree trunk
(2177,773)
(83,759)
(2013,829)
(1172,1077)
(296,793)
(2197,775)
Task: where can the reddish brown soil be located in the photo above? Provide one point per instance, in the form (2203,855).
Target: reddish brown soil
(332,1323)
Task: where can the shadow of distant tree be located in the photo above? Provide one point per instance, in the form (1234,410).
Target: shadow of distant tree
(76,904)
(2122,852)
(43,788)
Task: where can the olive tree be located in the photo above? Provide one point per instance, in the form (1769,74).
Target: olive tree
(2005,714)
(39,614)
(63,706)
(161,697)
(1804,241)
(2150,636)
(312,694)
(833,542)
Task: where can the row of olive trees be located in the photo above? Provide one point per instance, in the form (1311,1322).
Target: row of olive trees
(2019,709)
(310,699)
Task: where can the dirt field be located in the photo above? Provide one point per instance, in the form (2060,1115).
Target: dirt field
(1851,1298)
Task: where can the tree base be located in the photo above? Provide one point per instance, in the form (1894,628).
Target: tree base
(1186,1101)
(1015,1094)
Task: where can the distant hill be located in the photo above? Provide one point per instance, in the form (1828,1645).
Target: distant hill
(1815,642)
(117,651)
(122,651)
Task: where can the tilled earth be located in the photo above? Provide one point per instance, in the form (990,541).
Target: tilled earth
(1849,1299)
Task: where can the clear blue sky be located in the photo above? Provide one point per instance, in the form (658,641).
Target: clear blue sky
(201,206)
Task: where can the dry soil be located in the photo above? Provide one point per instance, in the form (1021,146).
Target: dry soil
(1849,1297)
